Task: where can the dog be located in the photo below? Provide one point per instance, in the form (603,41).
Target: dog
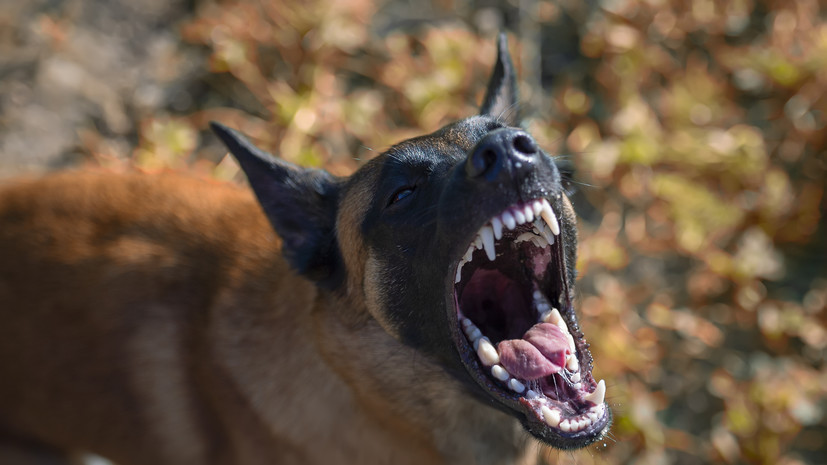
(418,311)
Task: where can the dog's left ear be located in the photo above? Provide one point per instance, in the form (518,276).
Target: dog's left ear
(299,202)
(501,98)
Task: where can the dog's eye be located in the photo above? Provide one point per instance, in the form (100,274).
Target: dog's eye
(401,194)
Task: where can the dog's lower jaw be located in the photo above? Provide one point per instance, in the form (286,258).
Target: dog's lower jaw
(441,421)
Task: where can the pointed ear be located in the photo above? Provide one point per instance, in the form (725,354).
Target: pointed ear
(300,203)
(501,97)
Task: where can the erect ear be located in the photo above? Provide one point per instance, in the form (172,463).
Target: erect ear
(299,202)
(501,97)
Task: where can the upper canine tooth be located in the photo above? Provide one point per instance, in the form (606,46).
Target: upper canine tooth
(497,225)
(487,353)
(550,218)
(598,395)
(529,213)
(508,220)
(487,234)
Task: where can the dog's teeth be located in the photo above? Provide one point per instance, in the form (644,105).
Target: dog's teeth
(475,335)
(571,341)
(577,385)
(530,394)
(573,365)
(529,213)
(509,221)
(551,416)
(540,242)
(487,234)
(487,353)
(459,273)
(478,242)
(519,217)
(550,218)
(575,378)
(468,254)
(537,206)
(526,236)
(497,226)
(565,425)
(598,395)
(499,372)
(553,316)
(537,295)
(516,386)
(543,231)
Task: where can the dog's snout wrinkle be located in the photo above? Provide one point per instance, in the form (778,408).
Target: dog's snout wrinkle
(502,154)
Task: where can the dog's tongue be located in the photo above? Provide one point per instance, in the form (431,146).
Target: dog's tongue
(541,352)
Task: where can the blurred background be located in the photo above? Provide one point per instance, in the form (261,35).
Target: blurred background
(696,129)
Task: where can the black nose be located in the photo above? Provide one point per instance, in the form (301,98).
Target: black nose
(502,154)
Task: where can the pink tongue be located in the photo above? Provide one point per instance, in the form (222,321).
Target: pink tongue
(541,352)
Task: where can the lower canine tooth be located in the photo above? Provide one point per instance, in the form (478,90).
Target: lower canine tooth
(551,417)
(598,395)
(487,353)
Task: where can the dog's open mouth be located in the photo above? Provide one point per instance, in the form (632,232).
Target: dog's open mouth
(521,334)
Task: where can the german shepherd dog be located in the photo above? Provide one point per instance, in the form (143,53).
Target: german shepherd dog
(418,311)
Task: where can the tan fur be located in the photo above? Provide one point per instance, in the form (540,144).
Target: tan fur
(160,308)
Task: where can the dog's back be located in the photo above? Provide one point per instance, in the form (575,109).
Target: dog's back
(99,278)
(153,320)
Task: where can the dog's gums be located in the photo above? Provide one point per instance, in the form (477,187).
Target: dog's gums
(514,310)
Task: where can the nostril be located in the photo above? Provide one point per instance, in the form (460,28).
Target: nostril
(524,145)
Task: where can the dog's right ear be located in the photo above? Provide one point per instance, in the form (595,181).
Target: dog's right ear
(501,100)
(299,202)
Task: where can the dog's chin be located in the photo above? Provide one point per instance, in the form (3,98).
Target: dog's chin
(517,332)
